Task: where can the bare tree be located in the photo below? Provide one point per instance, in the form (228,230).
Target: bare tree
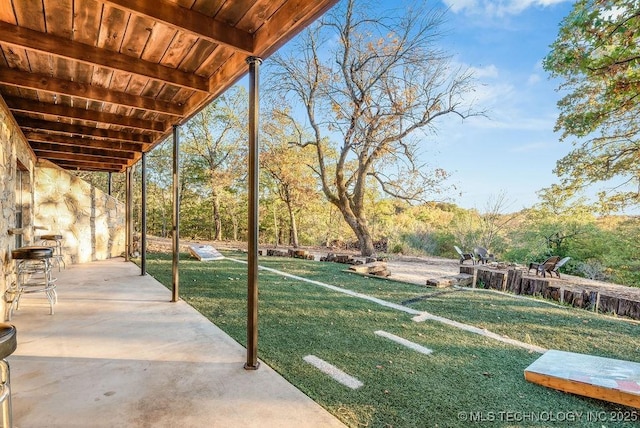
(370,84)
(493,221)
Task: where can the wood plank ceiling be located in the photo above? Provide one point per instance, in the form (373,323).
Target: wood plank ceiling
(93,84)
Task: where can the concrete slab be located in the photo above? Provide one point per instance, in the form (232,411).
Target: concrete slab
(118,353)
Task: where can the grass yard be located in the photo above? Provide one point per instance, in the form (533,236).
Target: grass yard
(467,377)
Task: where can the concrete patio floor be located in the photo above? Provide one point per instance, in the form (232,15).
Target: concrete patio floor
(118,353)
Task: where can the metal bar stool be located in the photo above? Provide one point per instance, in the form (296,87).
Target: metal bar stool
(55,242)
(33,269)
(8,344)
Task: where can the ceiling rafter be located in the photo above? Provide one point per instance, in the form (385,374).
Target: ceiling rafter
(88,85)
(32,106)
(190,21)
(64,48)
(55,86)
(88,166)
(290,18)
(81,150)
(29,124)
(73,164)
(59,155)
(42,137)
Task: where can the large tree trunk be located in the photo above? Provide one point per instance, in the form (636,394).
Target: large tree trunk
(293,239)
(276,229)
(236,226)
(364,240)
(217,220)
(163,215)
(360,227)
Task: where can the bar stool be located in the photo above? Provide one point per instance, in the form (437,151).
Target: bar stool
(33,270)
(8,344)
(55,242)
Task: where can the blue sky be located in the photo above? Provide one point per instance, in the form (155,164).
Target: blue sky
(514,150)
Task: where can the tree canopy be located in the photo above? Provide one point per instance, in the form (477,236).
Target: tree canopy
(597,55)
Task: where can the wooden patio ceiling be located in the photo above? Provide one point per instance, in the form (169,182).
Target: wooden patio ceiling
(94,84)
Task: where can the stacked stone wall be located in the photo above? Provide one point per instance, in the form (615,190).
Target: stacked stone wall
(51,201)
(91,222)
(15,155)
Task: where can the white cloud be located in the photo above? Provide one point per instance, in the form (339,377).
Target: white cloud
(490,71)
(497,7)
(533,147)
(533,79)
(508,120)
(458,5)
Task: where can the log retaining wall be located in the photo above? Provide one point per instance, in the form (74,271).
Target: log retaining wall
(579,296)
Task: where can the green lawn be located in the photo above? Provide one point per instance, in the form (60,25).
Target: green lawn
(467,375)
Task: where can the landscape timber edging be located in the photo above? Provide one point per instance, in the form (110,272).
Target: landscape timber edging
(514,281)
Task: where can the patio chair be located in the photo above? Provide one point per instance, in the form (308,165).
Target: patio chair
(545,267)
(483,255)
(559,265)
(465,256)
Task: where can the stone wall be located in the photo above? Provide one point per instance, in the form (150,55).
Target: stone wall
(91,222)
(15,156)
(51,201)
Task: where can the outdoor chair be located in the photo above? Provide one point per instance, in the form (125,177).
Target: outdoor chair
(545,267)
(559,265)
(465,256)
(483,255)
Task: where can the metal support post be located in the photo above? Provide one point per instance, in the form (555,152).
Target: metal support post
(252,270)
(175,225)
(143,220)
(128,215)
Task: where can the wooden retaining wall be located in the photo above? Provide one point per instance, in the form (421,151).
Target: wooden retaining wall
(514,281)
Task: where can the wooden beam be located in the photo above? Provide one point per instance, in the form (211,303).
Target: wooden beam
(47,154)
(27,123)
(65,48)
(289,20)
(80,150)
(32,106)
(42,137)
(87,166)
(234,68)
(52,85)
(190,21)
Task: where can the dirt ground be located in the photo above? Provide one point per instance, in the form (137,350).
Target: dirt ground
(411,269)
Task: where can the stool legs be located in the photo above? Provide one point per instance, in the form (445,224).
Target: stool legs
(33,276)
(5,395)
(58,258)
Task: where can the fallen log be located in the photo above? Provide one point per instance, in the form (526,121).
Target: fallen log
(277,253)
(375,268)
(461,280)
(369,267)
